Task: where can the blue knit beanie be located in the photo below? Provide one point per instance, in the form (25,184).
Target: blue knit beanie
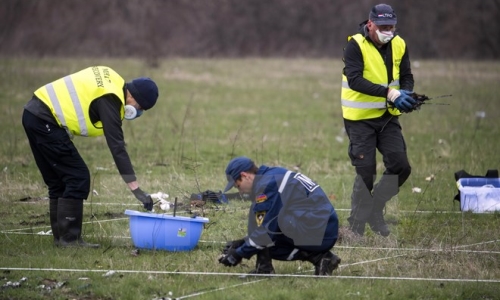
(144,91)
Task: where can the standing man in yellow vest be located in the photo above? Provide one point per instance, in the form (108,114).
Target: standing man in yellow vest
(91,102)
(376,81)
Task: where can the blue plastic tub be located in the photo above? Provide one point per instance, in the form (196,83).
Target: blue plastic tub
(479,194)
(164,232)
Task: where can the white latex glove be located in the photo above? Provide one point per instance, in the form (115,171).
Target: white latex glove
(393,94)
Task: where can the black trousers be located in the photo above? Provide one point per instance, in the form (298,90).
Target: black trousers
(365,138)
(63,169)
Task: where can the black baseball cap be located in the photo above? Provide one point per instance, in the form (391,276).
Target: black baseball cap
(383,14)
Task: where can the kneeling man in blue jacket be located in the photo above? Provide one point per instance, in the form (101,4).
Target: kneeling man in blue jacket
(291,218)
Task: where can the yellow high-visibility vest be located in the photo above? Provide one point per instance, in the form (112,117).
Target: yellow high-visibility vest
(359,106)
(69,98)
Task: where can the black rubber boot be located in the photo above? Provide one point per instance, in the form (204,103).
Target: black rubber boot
(357,227)
(69,220)
(264,263)
(384,190)
(378,224)
(324,262)
(53,220)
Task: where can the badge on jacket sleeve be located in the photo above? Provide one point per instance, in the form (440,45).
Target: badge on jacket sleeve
(261,198)
(259,217)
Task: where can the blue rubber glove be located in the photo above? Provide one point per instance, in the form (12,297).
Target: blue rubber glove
(231,259)
(404,103)
(406,92)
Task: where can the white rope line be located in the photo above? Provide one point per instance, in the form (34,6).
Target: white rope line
(83,235)
(453,249)
(218,289)
(86,203)
(267,276)
(159,272)
(252,275)
(421,279)
(255,281)
(370,261)
(275,275)
(476,244)
(343,266)
(194,210)
(427,250)
(48,226)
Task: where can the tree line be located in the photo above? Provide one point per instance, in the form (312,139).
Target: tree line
(448,29)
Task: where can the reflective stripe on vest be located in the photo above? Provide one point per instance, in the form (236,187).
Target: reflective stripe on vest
(359,106)
(70,97)
(76,103)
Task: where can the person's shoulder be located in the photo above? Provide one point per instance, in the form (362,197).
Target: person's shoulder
(398,39)
(276,170)
(268,175)
(354,41)
(110,99)
(107,104)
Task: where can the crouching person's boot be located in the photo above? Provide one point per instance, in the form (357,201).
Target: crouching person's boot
(53,220)
(264,263)
(69,220)
(324,262)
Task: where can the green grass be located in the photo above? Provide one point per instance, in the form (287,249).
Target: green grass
(279,112)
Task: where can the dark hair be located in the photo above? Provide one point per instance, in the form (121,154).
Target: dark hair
(252,170)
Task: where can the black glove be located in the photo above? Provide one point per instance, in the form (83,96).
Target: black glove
(213,197)
(232,245)
(144,198)
(231,259)
(210,196)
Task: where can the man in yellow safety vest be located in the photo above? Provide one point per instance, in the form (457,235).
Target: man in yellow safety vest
(376,83)
(91,102)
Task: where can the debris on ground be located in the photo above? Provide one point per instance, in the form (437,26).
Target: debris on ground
(135,252)
(50,284)
(109,273)
(14,284)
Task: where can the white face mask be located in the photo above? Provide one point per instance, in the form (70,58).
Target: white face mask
(131,112)
(384,36)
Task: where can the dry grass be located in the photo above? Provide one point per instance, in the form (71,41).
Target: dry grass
(280,112)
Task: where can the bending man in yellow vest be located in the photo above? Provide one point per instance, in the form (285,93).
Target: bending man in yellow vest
(376,82)
(91,102)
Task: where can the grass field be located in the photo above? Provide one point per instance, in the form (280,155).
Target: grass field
(278,112)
